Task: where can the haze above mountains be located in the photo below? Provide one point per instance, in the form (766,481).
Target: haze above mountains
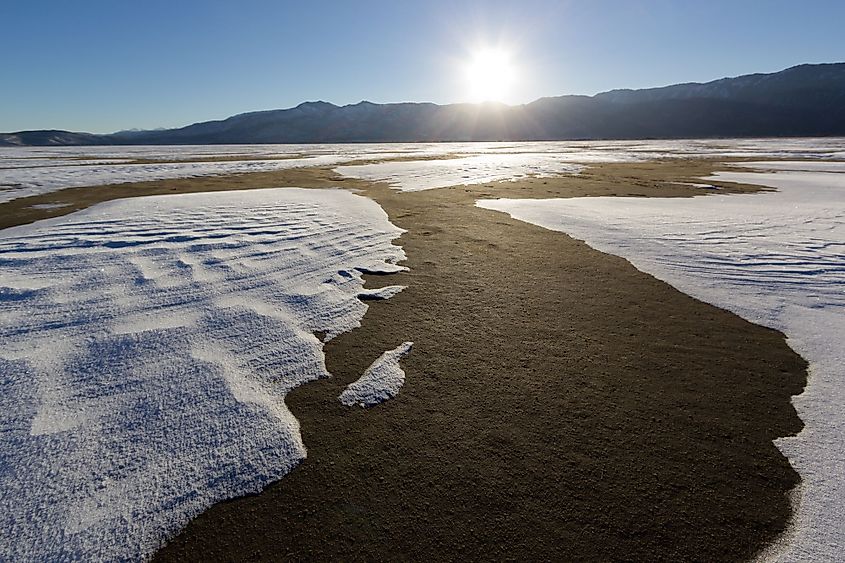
(805,100)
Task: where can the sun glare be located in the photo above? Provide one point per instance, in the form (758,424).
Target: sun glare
(490,75)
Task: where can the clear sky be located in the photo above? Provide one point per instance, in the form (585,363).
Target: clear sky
(101,66)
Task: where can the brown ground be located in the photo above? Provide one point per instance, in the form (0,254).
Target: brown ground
(559,404)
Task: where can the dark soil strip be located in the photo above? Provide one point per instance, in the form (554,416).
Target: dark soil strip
(559,405)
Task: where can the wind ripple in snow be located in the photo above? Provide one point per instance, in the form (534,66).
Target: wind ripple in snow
(146,346)
(777,259)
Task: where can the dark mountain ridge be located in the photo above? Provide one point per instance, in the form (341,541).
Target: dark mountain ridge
(805,100)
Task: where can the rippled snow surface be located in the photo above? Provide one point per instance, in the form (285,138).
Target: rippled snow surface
(777,259)
(146,346)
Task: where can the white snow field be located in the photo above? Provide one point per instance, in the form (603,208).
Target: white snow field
(380,382)
(511,161)
(27,171)
(28,181)
(415,175)
(146,347)
(777,259)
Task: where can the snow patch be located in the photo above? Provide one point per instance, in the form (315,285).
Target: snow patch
(381,293)
(796,165)
(410,176)
(146,347)
(701,186)
(27,171)
(380,382)
(48,205)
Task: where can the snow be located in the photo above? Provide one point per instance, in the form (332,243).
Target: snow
(797,165)
(381,293)
(146,347)
(48,205)
(380,382)
(418,175)
(45,162)
(511,161)
(777,259)
(27,171)
(24,182)
(702,186)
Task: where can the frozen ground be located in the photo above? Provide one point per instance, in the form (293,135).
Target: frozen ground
(380,382)
(777,259)
(26,171)
(146,346)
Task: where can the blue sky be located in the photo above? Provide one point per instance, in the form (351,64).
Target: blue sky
(105,66)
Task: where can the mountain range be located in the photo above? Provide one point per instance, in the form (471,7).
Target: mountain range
(804,100)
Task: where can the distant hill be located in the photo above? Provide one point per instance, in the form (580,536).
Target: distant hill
(806,100)
(52,137)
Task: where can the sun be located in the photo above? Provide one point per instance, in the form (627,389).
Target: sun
(490,75)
